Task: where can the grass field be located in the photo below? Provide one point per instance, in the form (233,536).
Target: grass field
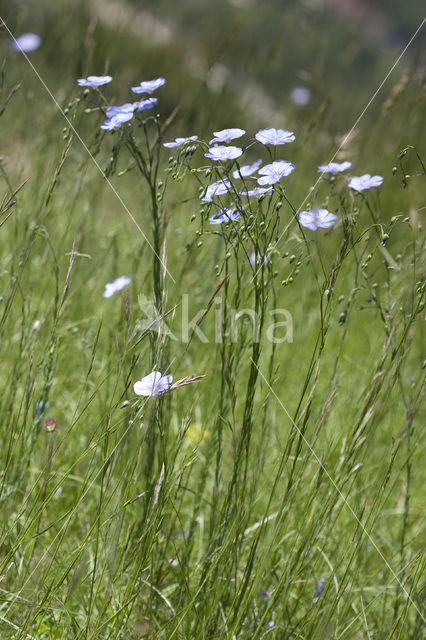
(275,487)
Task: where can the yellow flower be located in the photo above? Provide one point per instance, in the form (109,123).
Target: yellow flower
(197,434)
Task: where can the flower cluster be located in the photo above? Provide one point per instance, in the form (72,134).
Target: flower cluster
(116,116)
(119,115)
(268,175)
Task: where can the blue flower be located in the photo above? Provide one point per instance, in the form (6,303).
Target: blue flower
(365,182)
(179,142)
(226,134)
(218,188)
(273,172)
(275,136)
(317,218)
(25,43)
(319,588)
(300,96)
(149,85)
(40,407)
(224,153)
(117,120)
(153,384)
(148,103)
(225,215)
(94,81)
(257,191)
(253,260)
(246,170)
(115,285)
(124,113)
(128,107)
(334,167)
(265,594)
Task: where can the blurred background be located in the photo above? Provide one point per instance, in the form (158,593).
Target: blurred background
(245,56)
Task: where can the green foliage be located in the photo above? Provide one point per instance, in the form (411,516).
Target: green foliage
(214,509)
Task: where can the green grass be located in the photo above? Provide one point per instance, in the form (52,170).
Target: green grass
(214,509)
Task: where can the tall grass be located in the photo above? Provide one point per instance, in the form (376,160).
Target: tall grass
(278,496)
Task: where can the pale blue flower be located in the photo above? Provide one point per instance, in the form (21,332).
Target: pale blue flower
(257,191)
(218,188)
(153,384)
(128,107)
(94,81)
(265,594)
(334,167)
(148,103)
(149,85)
(365,182)
(115,285)
(125,112)
(25,43)
(226,135)
(319,588)
(253,260)
(273,172)
(40,407)
(225,215)
(300,96)
(246,170)
(224,153)
(317,218)
(275,136)
(179,142)
(117,120)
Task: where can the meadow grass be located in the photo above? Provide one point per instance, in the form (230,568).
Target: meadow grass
(280,495)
